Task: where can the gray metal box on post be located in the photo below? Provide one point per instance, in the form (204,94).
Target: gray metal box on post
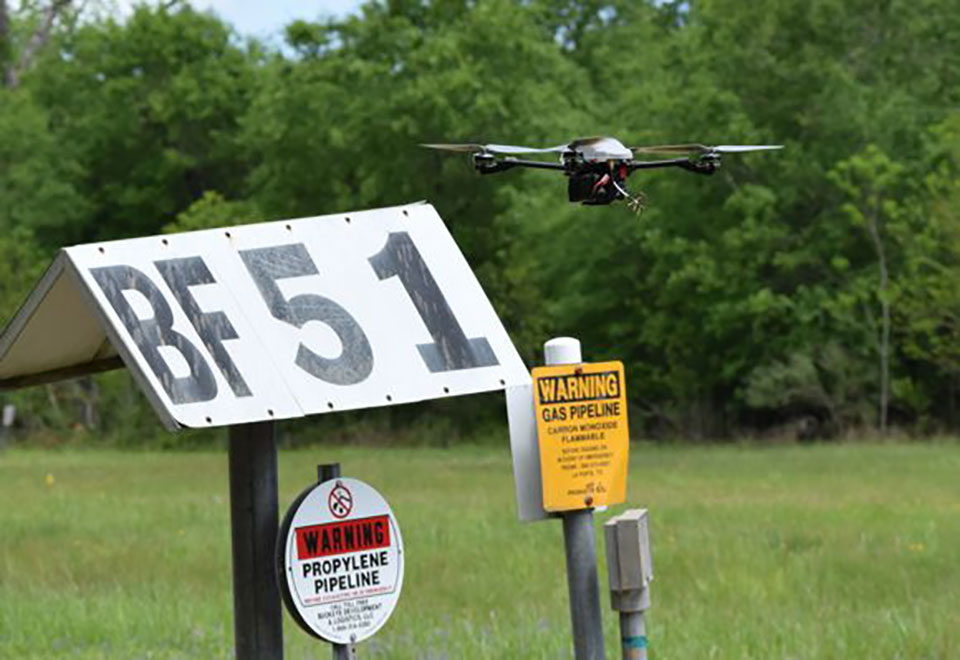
(630,570)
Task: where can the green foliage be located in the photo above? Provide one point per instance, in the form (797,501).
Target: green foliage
(150,110)
(38,182)
(817,280)
(21,263)
(832,385)
(211,211)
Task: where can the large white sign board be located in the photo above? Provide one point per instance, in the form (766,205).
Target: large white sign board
(288,318)
(341,562)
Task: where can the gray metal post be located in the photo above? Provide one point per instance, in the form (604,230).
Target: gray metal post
(633,636)
(327,472)
(257,622)
(579,545)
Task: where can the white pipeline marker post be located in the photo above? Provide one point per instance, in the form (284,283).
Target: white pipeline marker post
(9,415)
(579,544)
(630,568)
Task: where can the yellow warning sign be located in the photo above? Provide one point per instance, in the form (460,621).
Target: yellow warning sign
(582,430)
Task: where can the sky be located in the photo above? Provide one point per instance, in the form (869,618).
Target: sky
(264,18)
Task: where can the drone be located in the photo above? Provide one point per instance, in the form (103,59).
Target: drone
(597,168)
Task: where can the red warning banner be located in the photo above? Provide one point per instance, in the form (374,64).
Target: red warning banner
(341,537)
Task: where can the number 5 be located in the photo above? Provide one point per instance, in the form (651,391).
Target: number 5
(267,265)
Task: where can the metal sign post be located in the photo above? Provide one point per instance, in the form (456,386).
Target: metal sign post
(579,545)
(258,625)
(327,472)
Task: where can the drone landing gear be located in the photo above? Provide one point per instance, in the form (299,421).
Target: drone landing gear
(636,203)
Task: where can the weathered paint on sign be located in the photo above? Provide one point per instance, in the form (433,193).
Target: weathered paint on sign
(582,432)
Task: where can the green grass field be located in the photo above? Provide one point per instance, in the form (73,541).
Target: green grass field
(790,552)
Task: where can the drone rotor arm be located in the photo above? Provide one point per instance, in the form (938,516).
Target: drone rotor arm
(698,166)
(533,164)
(494,166)
(635,165)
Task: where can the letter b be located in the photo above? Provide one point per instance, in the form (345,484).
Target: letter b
(150,334)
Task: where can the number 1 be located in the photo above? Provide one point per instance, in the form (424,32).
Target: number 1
(451,349)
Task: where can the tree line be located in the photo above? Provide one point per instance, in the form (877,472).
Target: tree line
(817,286)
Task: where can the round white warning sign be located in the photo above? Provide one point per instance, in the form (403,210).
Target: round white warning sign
(341,560)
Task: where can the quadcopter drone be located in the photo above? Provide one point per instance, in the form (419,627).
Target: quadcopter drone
(597,168)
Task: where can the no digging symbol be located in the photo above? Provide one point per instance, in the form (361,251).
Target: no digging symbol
(340,501)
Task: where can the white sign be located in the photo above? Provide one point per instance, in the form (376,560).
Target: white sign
(342,560)
(298,317)
(525,449)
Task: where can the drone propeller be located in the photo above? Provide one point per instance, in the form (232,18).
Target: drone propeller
(506,149)
(703,149)
(739,148)
(460,148)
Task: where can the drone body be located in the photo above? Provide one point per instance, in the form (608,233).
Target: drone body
(597,168)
